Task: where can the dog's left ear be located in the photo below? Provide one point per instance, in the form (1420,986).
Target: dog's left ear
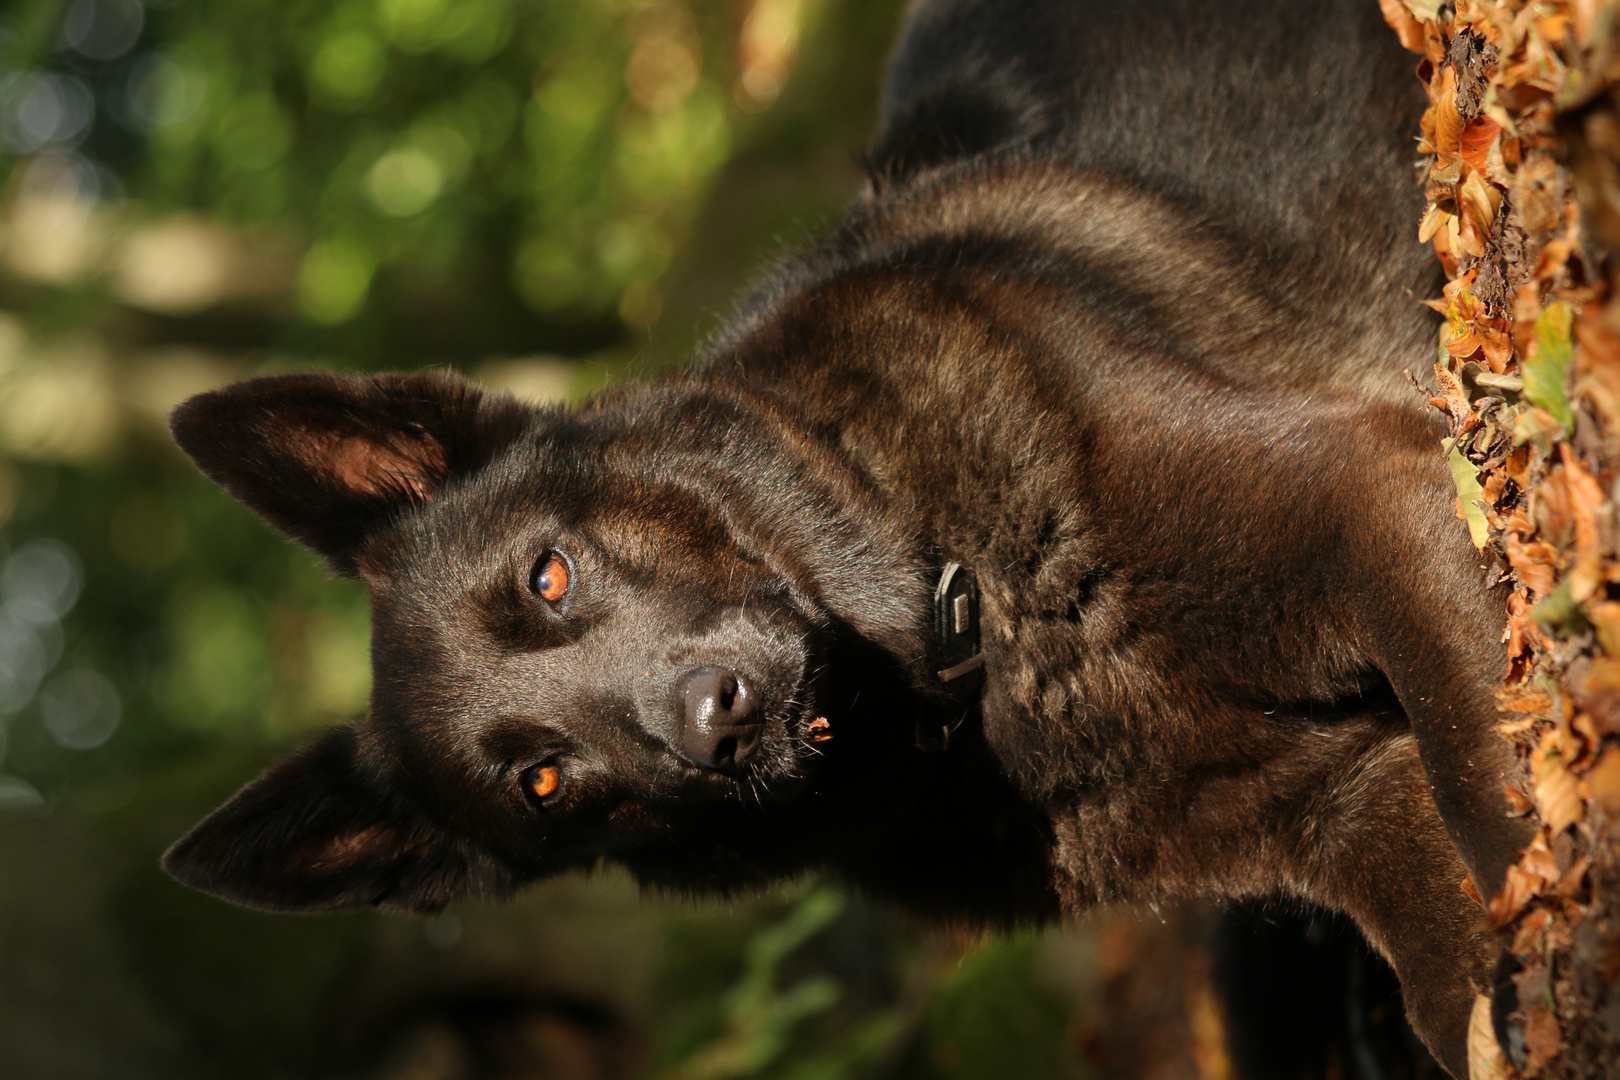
(329,458)
(322,831)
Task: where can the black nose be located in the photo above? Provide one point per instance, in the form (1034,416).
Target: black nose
(720,721)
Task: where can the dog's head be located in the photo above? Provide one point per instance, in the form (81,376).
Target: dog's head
(611,635)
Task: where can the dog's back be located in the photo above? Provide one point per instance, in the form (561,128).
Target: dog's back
(1284,128)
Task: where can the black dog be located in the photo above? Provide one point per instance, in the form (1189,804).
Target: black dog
(1078,454)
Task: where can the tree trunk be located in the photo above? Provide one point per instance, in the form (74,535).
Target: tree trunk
(1521,153)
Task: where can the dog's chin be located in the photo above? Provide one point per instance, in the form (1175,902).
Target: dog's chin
(790,756)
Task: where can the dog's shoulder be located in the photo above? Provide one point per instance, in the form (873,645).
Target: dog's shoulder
(1251,106)
(1283,130)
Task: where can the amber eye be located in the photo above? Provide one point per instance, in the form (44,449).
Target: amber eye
(551,578)
(543,780)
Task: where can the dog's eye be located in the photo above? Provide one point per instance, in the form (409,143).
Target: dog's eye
(543,781)
(551,578)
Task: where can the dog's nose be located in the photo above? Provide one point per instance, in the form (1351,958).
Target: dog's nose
(720,718)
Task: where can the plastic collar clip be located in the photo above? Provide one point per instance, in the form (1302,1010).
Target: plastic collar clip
(956,629)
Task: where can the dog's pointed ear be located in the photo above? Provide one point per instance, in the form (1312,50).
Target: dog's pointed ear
(328,458)
(319,832)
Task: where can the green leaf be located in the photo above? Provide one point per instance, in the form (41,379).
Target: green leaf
(762,1018)
(991,1017)
(1466,478)
(1560,612)
(1546,372)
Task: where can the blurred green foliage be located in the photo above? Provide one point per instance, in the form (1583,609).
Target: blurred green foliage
(448,177)
(543,193)
(428,129)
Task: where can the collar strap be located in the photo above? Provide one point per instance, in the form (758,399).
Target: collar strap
(956,632)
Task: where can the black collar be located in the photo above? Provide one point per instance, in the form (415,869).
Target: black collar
(956,632)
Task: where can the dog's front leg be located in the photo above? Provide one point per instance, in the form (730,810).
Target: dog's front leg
(1383,857)
(1434,626)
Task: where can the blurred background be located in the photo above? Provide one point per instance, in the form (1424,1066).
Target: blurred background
(545,195)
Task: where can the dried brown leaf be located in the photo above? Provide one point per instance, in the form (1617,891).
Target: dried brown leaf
(1523,636)
(1585,731)
(1603,780)
(1512,729)
(1525,698)
(1538,860)
(1479,198)
(1486,1061)
(1527,938)
(1407,29)
(1534,873)
(1463,417)
(1517,889)
(1595,684)
(1574,879)
(1557,793)
(1602,674)
(1434,219)
(1474,145)
(1497,344)
(1534,562)
(1586,502)
(1559,936)
(1517,466)
(1518,804)
(1542,1038)
(1553,516)
(1448,124)
(1532,980)
(1495,485)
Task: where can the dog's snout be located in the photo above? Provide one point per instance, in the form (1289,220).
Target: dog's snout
(720,718)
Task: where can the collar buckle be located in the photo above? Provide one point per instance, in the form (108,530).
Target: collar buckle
(956,629)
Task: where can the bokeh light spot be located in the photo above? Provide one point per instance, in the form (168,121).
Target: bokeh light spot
(662,72)
(577,96)
(542,380)
(80,709)
(19,796)
(37,111)
(219,663)
(40,582)
(404,182)
(474,30)
(347,69)
(335,279)
(166,91)
(23,662)
(103,29)
(252,133)
(61,405)
(765,51)
(412,25)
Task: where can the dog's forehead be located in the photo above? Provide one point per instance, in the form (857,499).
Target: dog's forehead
(540,494)
(457,570)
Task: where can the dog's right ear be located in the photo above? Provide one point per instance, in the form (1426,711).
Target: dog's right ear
(325,830)
(328,458)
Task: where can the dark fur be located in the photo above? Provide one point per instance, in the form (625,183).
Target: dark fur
(1119,323)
